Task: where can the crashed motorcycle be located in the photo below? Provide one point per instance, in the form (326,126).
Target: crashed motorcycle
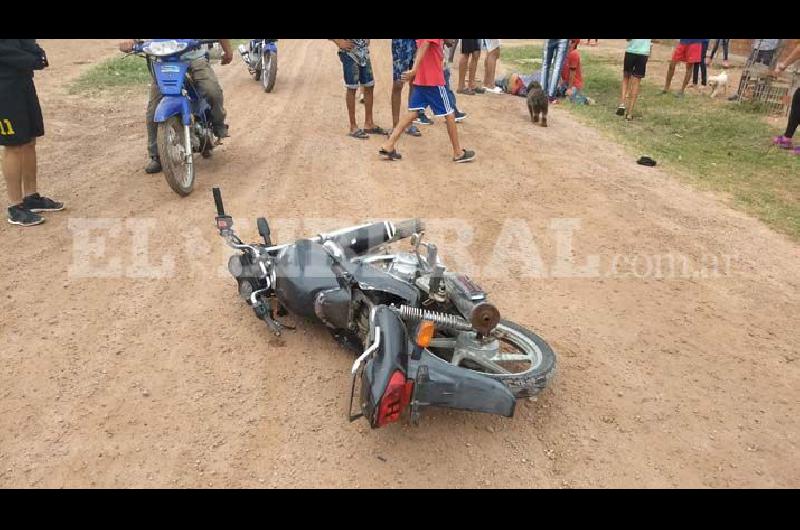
(261,58)
(425,336)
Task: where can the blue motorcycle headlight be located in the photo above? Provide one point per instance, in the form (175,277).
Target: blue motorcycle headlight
(161,48)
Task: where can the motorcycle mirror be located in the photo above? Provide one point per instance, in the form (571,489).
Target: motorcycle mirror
(263,230)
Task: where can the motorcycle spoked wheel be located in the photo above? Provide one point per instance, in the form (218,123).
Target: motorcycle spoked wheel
(525,362)
(269,70)
(178,173)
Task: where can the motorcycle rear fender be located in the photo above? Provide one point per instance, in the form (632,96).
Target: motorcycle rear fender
(439,383)
(170,106)
(271,46)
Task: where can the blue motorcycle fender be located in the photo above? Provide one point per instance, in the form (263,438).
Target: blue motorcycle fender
(173,105)
(271,47)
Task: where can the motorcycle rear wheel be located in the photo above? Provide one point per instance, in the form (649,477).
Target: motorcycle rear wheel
(171,150)
(269,70)
(527,350)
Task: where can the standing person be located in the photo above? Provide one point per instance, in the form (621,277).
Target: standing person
(403,52)
(554,51)
(785,141)
(21,123)
(701,66)
(687,51)
(427,75)
(470,53)
(357,71)
(633,71)
(764,50)
(208,84)
(492,48)
(449,53)
(725,43)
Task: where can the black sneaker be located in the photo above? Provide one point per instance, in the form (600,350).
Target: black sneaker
(154,166)
(17,215)
(36,203)
(422,119)
(460,116)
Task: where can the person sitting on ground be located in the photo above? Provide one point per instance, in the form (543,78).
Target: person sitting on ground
(687,51)
(633,71)
(517,84)
(20,124)
(427,75)
(572,76)
(206,82)
(785,141)
(357,71)
(492,48)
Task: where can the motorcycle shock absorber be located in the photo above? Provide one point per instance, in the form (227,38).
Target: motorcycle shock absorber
(442,320)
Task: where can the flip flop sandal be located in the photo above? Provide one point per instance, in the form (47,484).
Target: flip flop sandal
(467,92)
(413,131)
(479,90)
(646,161)
(377,130)
(360,134)
(390,155)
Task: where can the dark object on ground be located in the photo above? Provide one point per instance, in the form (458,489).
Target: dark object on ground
(646,161)
(537,103)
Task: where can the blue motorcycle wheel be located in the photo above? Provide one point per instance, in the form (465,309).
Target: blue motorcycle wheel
(178,168)
(269,70)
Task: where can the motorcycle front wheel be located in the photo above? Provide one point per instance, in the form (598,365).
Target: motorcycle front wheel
(523,361)
(178,168)
(269,70)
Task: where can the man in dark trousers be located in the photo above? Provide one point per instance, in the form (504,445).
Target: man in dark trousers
(20,124)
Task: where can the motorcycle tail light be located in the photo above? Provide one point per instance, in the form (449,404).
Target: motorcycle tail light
(395,398)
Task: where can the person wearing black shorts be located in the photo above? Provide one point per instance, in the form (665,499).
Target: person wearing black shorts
(20,124)
(634,68)
(470,53)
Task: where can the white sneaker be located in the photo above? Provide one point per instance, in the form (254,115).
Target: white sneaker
(495,90)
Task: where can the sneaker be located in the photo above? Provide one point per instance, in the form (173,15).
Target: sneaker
(18,215)
(422,119)
(466,156)
(479,90)
(36,203)
(154,166)
(495,90)
(460,116)
(221,131)
(782,142)
(621,110)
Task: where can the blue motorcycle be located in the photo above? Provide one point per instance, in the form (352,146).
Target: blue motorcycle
(183,114)
(261,58)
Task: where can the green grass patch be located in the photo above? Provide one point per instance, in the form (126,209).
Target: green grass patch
(119,71)
(717,145)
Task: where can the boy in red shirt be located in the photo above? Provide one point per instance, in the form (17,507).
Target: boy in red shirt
(427,76)
(571,74)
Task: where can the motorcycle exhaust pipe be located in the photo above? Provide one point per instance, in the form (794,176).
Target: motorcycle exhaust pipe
(471,302)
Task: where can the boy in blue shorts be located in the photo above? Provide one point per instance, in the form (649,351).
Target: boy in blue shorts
(357,69)
(427,75)
(403,52)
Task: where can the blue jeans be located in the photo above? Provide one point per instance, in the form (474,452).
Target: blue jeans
(554,51)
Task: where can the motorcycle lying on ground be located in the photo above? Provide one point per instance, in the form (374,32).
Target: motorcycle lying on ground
(183,115)
(261,58)
(425,336)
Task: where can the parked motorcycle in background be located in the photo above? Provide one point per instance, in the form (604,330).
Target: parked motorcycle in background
(261,58)
(426,336)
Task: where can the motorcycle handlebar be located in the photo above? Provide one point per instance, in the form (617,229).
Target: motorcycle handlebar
(218,202)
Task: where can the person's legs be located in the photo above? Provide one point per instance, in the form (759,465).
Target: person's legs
(473,68)
(714,50)
(670,73)
(558,64)
(350,100)
(404,123)
(367,82)
(350,72)
(462,71)
(794,116)
(725,43)
(687,76)
(624,95)
(489,67)
(152,127)
(634,88)
(695,73)
(397,96)
(452,132)
(207,83)
(12,172)
(703,66)
(28,168)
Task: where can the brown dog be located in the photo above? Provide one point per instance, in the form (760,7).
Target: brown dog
(537,103)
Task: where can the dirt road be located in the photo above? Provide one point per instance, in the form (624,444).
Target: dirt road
(126,381)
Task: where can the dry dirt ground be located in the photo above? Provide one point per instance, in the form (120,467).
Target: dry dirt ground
(126,381)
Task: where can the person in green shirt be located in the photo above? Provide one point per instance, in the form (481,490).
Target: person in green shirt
(633,71)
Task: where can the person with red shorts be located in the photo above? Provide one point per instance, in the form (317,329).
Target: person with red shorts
(689,51)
